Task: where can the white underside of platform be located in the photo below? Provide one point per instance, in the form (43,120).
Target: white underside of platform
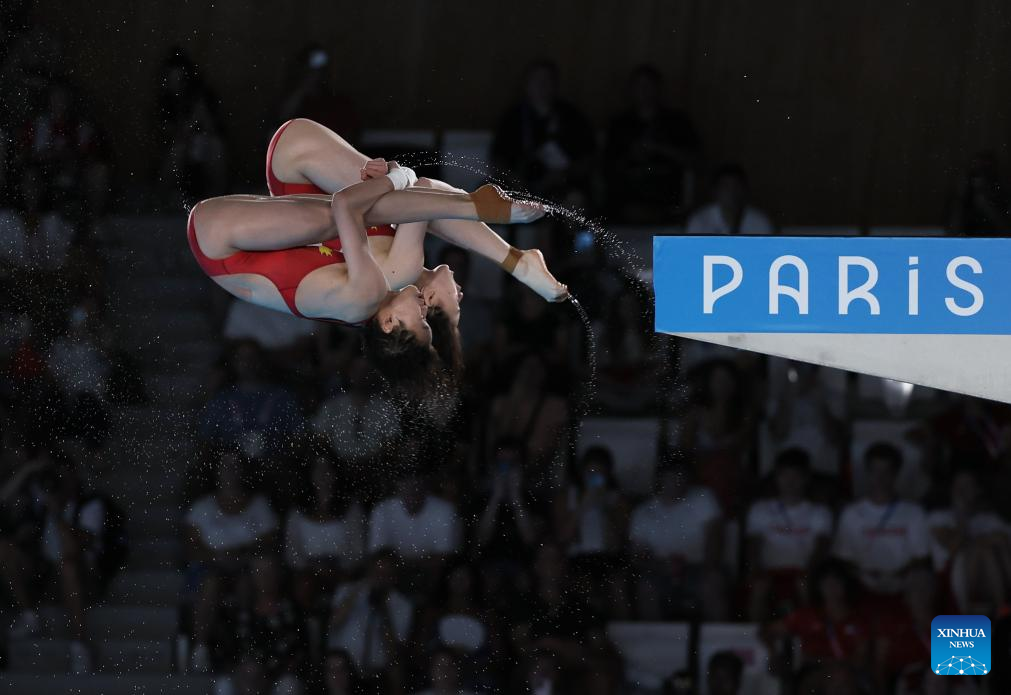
(976,365)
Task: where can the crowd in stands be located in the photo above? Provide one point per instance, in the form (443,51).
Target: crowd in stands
(336,543)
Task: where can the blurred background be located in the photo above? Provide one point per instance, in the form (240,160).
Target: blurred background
(199,496)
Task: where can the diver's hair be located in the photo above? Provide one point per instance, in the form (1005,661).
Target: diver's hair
(412,369)
(446,341)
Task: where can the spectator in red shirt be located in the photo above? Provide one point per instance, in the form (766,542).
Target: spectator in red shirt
(832,628)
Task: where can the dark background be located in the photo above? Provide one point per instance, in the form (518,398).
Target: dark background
(131,384)
(844,113)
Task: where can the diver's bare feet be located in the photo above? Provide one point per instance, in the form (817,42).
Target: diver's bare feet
(533,272)
(496,207)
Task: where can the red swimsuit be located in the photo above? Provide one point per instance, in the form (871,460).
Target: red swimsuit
(285,268)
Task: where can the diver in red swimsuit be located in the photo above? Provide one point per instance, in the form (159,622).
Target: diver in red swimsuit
(259,249)
(307,157)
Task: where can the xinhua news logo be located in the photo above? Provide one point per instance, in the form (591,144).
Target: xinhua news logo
(960,645)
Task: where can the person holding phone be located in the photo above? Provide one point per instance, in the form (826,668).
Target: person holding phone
(591,519)
(506,525)
(591,515)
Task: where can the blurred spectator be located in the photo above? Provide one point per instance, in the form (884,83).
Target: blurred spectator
(33,60)
(529,413)
(371,620)
(626,358)
(604,672)
(719,429)
(249,677)
(981,206)
(832,628)
(444,675)
(526,325)
(730,212)
(193,163)
(786,535)
(902,645)
(253,413)
(881,535)
(81,368)
(421,528)
(971,546)
(273,331)
(677,540)
(22,514)
(269,627)
(359,423)
(72,548)
(506,528)
(554,615)
(34,238)
(591,514)
(325,536)
(226,530)
(591,518)
(313,95)
(971,432)
(541,675)
(545,141)
(726,673)
(455,617)
(67,149)
(339,674)
(37,410)
(651,154)
(806,415)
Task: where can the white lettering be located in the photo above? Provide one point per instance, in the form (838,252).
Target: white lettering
(712,295)
(973,290)
(798,293)
(914,286)
(846,295)
(961,632)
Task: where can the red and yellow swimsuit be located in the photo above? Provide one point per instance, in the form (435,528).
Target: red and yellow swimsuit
(285,268)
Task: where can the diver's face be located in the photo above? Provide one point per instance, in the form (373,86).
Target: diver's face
(440,290)
(407,310)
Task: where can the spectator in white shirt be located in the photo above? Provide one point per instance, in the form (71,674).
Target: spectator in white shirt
(786,535)
(358,423)
(882,535)
(71,544)
(730,212)
(591,518)
(677,540)
(420,527)
(271,330)
(80,366)
(34,239)
(226,529)
(371,621)
(325,539)
(805,414)
(972,545)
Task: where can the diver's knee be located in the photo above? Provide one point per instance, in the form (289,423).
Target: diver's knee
(342,201)
(425,182)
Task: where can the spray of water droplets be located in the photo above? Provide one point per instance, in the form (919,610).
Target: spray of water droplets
(624,258)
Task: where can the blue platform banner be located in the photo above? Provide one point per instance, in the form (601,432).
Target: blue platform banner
(853,285)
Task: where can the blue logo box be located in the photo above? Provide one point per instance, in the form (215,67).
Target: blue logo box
(738,284)
(960,645)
